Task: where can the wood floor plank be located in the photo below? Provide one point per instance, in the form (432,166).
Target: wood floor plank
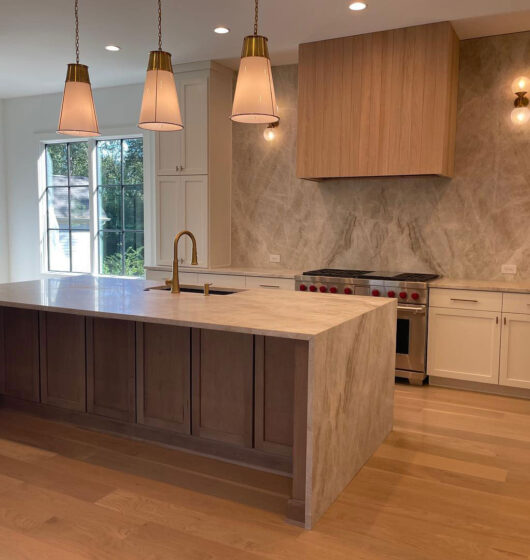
(452,482)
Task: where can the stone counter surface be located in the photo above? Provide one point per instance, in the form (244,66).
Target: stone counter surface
(513,286)
(263,312)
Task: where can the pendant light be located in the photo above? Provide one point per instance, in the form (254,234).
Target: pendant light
(78,114)
(160,105)
(254,99)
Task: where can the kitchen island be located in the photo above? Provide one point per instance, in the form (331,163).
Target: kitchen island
(285,381)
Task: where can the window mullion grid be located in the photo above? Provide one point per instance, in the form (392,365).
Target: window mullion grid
(122,212)
(69,204)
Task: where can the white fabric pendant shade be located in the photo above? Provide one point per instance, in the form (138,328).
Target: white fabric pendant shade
(160,105)
(78,114)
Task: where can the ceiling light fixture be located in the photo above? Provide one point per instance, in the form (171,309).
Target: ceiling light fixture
(358,6)
(254,99)
(112,48)
(521,113)
(160,104)
(221,30)
(78,114)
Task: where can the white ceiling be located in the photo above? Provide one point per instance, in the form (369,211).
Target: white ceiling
(36,36)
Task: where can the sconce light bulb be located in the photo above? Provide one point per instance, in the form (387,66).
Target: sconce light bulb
(520,84)
(521,115)
(269,134)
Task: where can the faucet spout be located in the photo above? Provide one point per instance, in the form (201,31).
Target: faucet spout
(175,284)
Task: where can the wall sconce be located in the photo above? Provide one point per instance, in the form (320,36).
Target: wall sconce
(269,133)
(521,113)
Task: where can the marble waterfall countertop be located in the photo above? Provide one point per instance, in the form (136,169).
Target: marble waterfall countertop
(281,313)
(515,286)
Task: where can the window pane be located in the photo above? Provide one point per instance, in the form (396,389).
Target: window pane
(110,255)
(56,165)
(109,201)
(80,251)
(133,205)
(134,254)
(79,208)
(59,250)
(133,161)
(78,163)
(58,208)
(109,162)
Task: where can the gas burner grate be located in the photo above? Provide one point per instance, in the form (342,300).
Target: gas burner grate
(336,273)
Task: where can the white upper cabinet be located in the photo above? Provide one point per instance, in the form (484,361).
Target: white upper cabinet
(194,166)
(464,344)
(185,152)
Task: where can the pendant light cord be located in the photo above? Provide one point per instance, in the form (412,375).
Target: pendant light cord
(256,13)
(159,25)
(76,10)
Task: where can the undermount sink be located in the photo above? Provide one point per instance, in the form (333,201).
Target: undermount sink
(193,290)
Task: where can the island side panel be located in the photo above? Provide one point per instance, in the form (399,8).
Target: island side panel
(351,372)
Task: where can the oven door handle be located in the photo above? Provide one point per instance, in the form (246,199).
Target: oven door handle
(416,309)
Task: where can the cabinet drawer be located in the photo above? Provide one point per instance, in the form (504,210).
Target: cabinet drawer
(465,299)
(222,280)
(270,283)
(190,278)
(516,303)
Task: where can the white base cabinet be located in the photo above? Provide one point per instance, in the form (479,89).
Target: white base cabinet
(515,351)
(464,344)
(480,337)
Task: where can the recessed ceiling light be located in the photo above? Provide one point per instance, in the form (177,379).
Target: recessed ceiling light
(221,30)
(358,6)
(112,48)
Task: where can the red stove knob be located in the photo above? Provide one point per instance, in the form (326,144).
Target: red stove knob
(323,289)
(313,288)
(415,296)
(303,288)
(391,293)
(348,291)
(403,295)
(376,293)
(333,290)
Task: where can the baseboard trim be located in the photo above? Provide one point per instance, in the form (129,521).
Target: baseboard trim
(488,388)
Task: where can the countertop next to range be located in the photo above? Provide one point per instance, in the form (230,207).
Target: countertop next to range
(281,313)
(513,286)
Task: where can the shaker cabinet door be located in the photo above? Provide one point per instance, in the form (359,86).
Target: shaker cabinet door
(464,344)
(19,353)
(185,152)
(163,376)
(222,381)
(515,350)
(111,368)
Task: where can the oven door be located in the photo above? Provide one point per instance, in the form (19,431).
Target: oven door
(411,337)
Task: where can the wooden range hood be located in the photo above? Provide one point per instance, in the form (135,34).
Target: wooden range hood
(379,104)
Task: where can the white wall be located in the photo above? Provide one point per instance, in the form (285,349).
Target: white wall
(24,118)
(4,256)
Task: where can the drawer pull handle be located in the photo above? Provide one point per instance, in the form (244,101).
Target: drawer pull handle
(269,286)
(466,300)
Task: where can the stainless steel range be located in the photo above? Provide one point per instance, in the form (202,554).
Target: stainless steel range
(411,291)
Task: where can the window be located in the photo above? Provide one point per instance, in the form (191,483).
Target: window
(120,207)
(95,217)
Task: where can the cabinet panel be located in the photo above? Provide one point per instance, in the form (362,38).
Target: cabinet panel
(464,344)
(111,368)
(269,283)
(63,360)
(222,382)
(182,204)
(475,300)
(516,303)
(169,152)
(275,363)
(222,280)
(19,353)
(163,376)
(378,104)
(515,351)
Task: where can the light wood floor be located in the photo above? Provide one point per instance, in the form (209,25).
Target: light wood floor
(451,482)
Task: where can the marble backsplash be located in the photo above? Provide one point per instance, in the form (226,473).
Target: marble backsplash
(466,227)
